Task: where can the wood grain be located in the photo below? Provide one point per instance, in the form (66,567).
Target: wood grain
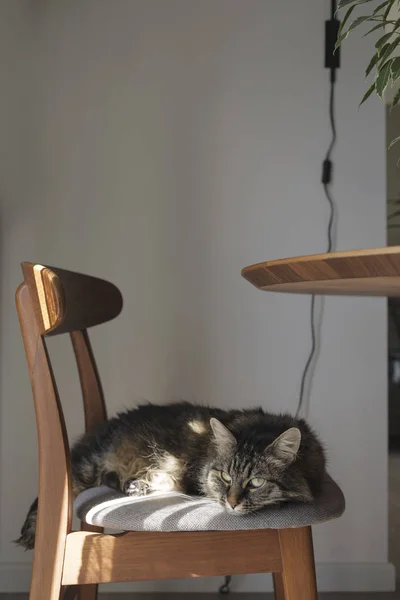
(66,301)
(374,272)
(95,413)
(136,556)
(92,393)
(59,301)
(89,592)
(55,496)
(297,581)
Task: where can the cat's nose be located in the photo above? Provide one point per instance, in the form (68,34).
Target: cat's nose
(233,502)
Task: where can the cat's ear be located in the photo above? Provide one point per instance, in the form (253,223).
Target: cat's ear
(286,446)
(222,434)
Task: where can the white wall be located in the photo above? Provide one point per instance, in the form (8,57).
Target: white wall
(165,145)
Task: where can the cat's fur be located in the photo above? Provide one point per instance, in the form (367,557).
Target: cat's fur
(186,448)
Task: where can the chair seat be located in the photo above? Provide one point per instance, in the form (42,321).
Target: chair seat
(107,508)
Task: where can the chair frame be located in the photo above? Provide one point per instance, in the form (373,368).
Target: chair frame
(52,301)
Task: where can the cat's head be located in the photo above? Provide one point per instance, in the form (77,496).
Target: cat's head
(245,477)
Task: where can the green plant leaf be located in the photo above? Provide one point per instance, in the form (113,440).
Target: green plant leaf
(346,18)
(367,93)
(395,69)
(396,99)
(382,79)
(382,41)
(382,65)
(396,25)
(382,50)
(371,64)
(343,3)
(358,21)
(389,6)
(341,39)
(352,26)
(379,26)
(383,56)
(379,8)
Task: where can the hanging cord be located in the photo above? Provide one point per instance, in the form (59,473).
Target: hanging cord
(327,170)
(326,181)
(225,587)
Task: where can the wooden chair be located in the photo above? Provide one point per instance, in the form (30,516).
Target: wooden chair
(53,301)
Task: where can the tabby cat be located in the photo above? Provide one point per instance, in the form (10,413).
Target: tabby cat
(243,459)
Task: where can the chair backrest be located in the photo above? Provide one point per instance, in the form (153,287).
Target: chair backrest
(52,301)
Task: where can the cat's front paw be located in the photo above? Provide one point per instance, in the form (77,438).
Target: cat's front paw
(136,487)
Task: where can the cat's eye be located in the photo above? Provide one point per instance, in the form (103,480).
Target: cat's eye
(256,482)
(225,477)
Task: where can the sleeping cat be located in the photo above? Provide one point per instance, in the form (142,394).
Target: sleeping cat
(243,459)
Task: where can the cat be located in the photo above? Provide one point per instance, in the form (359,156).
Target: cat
(243,459)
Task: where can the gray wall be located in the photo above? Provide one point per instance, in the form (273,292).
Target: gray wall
(165,144)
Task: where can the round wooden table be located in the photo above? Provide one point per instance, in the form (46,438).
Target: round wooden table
(373,272)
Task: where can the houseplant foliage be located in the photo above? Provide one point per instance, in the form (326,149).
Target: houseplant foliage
(384,66)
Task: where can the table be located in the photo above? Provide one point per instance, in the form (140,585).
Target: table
(372,272)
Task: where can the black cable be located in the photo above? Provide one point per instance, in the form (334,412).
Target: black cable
(332,118)
(310,357)
(225,587)
(328,161)
(326,180)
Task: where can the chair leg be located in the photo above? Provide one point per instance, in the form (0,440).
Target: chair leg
(87,592)
(297,580)
(47,565)
(69,593)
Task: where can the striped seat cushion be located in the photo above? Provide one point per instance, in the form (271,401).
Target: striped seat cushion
(176,512)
